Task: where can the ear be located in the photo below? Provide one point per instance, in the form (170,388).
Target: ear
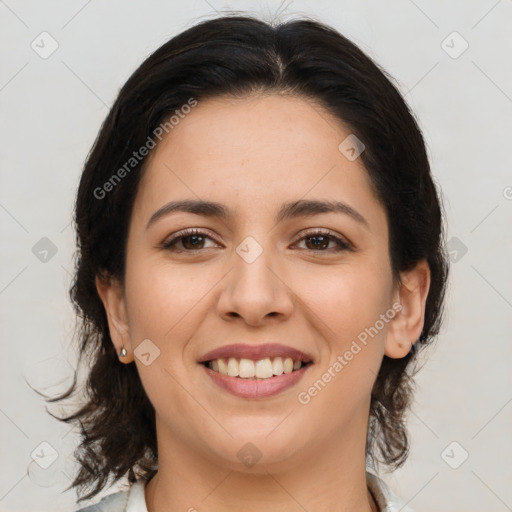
(411,293)
(112,296)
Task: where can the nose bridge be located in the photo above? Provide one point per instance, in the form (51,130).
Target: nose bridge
(253,290)
(252,262)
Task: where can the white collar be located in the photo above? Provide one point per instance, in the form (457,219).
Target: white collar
(386,500)
(136,498)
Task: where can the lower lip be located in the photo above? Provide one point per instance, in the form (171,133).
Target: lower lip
(257,388)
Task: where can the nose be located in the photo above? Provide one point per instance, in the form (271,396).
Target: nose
(256,291)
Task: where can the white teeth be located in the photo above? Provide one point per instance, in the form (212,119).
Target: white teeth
(264,368)
(249,369)
(277,366)
(233,367)
(223,366)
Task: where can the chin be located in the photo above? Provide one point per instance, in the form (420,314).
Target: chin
(255,449)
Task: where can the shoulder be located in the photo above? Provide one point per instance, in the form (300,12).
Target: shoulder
(131,500)
(116,502)
(386,500)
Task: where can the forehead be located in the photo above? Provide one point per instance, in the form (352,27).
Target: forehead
(255,151)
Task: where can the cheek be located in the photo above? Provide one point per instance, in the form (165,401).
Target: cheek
(348,304)
(163,299)
(164,307)
(166,304)
(347,299)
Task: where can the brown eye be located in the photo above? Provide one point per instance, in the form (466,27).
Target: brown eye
(192,242)
(187,241)
(319,242)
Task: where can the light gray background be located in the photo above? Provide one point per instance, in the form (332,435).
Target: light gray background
(51,111)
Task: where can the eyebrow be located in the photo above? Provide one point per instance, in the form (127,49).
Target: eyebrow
(294,209)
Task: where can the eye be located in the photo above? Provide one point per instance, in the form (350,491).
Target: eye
(194,239)
(188,240)
(320,240)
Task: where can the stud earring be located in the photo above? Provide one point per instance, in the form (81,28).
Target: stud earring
(123,352)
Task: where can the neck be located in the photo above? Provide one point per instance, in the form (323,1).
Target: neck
(331,478)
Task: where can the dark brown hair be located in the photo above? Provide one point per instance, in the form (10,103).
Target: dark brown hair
(237,55)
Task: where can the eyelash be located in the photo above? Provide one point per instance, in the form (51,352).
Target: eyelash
(341,244)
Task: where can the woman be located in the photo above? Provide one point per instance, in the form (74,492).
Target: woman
(260,261)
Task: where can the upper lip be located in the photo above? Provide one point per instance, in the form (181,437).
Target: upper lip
(255,352)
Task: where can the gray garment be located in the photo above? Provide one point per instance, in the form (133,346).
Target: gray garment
(133,499)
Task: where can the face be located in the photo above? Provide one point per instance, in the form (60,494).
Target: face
(282,280)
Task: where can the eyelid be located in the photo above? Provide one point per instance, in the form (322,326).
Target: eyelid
(183,233)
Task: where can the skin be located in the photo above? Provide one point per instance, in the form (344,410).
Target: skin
(252,155)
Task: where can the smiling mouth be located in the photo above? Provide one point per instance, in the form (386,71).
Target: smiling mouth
(255,369)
